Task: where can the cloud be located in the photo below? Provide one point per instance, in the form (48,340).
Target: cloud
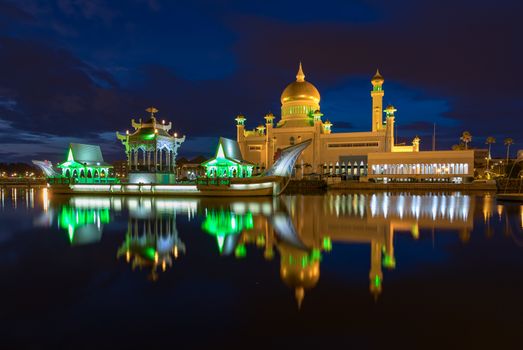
(81,69)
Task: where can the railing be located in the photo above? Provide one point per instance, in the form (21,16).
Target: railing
(22,181)
(84,180)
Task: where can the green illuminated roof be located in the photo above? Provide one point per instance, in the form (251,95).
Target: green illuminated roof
(229,150)
(85,154)
(148,133)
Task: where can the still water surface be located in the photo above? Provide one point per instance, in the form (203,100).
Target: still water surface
(375,268)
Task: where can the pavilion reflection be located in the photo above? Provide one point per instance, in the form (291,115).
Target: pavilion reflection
(151,242)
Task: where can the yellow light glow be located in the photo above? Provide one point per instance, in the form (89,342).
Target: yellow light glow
(45,199)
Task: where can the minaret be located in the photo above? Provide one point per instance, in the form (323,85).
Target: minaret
(389,129)
(240,132)
(240,128)
(415,144)
(269,120)
(377,101)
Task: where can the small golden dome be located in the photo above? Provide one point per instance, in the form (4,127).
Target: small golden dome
(377,77)
(300,90)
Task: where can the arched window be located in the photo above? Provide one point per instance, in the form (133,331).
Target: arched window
(96,173)
(291,140)
(82,174)
(89,173)
(102,173)
(75,173)
(68,173)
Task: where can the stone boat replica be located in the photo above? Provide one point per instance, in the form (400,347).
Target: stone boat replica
(271,183)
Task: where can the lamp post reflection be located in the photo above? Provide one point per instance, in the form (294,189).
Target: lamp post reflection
(151,243)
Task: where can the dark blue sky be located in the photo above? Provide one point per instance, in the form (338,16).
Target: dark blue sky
(78,70)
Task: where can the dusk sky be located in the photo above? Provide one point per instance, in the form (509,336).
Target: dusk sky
(78,71)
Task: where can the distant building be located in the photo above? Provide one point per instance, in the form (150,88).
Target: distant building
(190,169)
(121,169)
(228,161)
(446,166)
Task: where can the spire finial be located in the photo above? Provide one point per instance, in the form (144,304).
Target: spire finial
(300,76)
(377,76)
(152,110)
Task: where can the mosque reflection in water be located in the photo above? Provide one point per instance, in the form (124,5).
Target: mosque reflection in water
(297,230)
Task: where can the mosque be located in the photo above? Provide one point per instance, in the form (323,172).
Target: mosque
(372,154)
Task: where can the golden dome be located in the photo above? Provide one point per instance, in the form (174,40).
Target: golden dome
(300,90)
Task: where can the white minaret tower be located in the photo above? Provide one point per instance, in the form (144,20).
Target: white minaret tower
(377,101)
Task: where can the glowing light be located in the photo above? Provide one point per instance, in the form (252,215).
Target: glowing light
(45,199)
(251,186)
(175,188)
(240,251)
(377,281)
(327,244)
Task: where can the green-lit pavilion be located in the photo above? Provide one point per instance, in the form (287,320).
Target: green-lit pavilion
(85,162)
(228,161)
(151,150)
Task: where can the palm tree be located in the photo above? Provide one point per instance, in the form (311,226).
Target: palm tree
(508,143)
(466,137)
(489,142)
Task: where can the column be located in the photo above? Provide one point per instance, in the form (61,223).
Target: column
(155,159)
(168,160)
(161,159)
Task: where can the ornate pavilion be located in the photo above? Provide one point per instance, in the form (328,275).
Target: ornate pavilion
(151,150)
(85,163)
(228,161)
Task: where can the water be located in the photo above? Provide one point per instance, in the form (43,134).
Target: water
(383,269)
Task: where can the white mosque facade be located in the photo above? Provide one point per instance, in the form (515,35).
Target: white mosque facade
(368,154)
